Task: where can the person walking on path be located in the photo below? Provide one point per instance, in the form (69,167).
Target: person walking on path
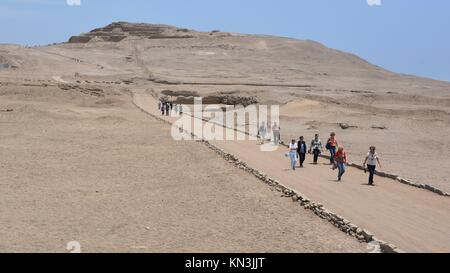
(262,132)
(167,109)
(301,150)
(316,148)
(276,133)
(332,145)
(340,159)
(163,108)
(293,153)
(371,160)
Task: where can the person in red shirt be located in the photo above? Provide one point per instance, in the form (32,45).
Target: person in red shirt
(332,145)
(340,159)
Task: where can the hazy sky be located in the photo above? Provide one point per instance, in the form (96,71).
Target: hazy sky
(405,36)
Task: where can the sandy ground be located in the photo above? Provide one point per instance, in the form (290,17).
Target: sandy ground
(72,124)
(413,219)
(341,89)
(74,167)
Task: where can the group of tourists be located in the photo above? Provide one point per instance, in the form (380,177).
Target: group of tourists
(263,133)
(167,108)
(298,151)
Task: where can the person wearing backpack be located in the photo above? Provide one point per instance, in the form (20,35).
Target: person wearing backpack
(372,159)
(340,159)
(332,145)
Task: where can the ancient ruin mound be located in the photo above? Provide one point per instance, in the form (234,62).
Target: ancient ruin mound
(119,31)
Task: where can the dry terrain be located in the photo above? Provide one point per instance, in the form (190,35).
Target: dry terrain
(414,220)
(316,86)
(101,172)
(80,162)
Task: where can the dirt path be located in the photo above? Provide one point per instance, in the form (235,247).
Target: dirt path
(412,219)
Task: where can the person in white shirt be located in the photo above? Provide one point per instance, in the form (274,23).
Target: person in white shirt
(372,159)
(293,147)
(316,148)
(262,132)
(276,133)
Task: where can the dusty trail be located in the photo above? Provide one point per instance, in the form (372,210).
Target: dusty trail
(412,219)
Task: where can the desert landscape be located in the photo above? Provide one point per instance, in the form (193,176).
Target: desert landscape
(85,157)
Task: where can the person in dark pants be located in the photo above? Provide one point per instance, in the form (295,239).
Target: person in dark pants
(167,109)
(302,150)
(163,108)
(316,148)
(372,159)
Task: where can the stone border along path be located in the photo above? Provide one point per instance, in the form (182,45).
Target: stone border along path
(338,221)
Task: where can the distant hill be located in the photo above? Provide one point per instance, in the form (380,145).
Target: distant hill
(181,57)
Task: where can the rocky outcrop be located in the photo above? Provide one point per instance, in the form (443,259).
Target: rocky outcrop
(91,91)
(345,126)
(379,127)
(238,100)
(119,31)
(80,39)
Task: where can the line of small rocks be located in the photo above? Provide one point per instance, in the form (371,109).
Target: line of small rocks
(338,221)
(405,181)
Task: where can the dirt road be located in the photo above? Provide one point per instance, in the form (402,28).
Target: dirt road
(412,219)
